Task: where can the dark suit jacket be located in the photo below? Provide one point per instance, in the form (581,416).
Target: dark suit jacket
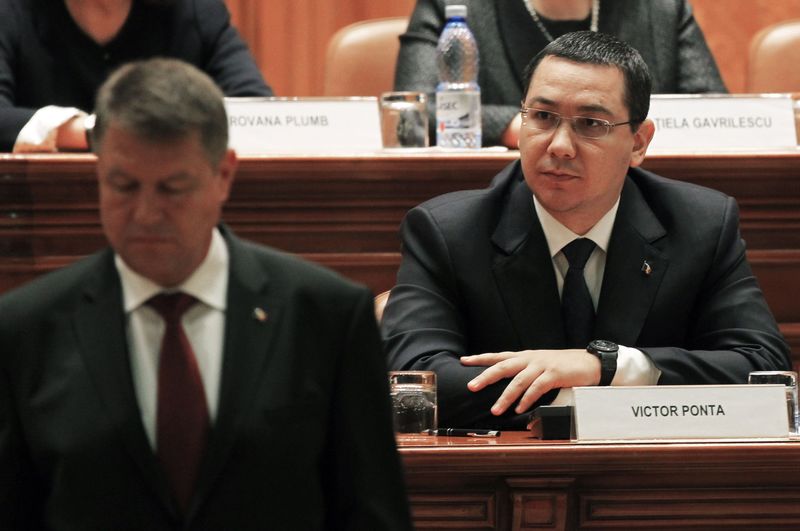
(46,59)
(477,276)
(302,440)
(664,32)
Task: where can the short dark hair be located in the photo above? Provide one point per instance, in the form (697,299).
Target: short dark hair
(590,47)
(160,100)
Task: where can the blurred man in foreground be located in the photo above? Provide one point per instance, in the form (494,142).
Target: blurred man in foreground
(183,378)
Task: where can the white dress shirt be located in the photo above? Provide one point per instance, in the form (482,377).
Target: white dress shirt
(40,133)
(633,366)
(204,324)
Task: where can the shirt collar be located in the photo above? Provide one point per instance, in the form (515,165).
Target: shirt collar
(557,235)
(208,283)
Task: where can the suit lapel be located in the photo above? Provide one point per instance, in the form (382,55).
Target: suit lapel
(635,267)
(252,318)
(524,272)
(99,323)
(525,278)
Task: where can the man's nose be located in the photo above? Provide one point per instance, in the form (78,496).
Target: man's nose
(148,209)
(562,141)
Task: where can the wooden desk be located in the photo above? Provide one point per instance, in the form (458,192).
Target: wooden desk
(344,211)
(520,483)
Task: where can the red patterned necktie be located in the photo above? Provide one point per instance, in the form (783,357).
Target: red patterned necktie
(182,420)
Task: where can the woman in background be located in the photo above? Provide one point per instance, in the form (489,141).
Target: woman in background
(510,32)
(55,53)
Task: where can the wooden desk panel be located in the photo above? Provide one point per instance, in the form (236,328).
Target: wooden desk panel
(519,483)
(344,212)
(299,203)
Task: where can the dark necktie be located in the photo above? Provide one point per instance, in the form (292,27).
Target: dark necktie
(577,309)
(182,420)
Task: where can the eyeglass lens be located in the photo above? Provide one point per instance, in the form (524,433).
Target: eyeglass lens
(548,121)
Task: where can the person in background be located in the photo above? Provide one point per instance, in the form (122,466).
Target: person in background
(54,54)
(575,267)
(510,32)
(184,378)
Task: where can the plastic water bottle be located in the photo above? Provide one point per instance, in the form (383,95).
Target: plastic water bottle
(458,97)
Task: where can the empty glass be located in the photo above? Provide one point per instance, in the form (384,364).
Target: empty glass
(404,119)
(789,379)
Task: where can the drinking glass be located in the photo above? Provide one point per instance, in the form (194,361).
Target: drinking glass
(789,379)
(404,119)
(413,401)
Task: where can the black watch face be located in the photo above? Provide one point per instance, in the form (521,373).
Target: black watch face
(603,345)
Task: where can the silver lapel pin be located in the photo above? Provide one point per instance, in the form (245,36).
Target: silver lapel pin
(646,269)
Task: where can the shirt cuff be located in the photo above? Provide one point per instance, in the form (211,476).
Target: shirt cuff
(634,367)
(39,134)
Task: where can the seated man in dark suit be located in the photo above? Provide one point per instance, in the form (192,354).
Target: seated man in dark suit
(503,291)
(55,54)
(183,378)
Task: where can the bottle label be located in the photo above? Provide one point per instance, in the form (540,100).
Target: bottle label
(458,119)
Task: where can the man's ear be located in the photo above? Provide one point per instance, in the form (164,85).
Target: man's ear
(227,170)
(641,139)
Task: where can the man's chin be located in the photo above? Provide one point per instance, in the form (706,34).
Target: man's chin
(151,267)
(144,244)
(165,279)
(556,198)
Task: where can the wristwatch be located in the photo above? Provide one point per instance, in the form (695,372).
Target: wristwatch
(606,351)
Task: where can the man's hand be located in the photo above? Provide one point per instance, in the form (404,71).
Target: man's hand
(510,137)
(532,373)
(71,135)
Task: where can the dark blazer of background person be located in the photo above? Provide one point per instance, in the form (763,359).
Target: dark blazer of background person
(301,422)
(46,59)
(664,32)
(477,277)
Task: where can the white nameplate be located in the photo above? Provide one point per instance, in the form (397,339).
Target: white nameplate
(266,126)
(681,412)
(722,123)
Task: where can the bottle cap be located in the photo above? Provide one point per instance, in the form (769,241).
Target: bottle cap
(455,11)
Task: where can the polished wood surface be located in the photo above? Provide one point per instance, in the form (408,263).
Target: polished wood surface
(344,211)
(516,482)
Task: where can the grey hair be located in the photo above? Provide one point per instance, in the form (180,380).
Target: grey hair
(160,100)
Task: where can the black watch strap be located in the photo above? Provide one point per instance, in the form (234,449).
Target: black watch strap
(607,352)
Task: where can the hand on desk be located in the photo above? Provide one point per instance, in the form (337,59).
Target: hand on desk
(510,137)
(71,135)
(532,373)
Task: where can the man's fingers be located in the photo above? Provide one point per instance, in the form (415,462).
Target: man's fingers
(515,388)
(496,372)
(535,390)
(532,373)
(489,358)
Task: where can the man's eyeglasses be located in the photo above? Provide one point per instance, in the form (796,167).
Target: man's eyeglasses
(539,120)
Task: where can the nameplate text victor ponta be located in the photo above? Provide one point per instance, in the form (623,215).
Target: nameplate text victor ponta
(678,412)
